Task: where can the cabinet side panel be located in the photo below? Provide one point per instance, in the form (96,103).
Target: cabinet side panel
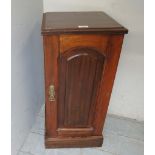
(112,58)
(51,49)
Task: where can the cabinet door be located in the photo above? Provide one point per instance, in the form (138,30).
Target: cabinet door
(80,72)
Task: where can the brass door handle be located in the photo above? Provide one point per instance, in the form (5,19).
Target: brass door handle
(51,93)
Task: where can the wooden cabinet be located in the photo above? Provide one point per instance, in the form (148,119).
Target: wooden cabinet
(81,53)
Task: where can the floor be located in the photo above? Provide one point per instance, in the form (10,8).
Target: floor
(121,137)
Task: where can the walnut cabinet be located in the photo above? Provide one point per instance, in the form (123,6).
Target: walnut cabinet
(81,54)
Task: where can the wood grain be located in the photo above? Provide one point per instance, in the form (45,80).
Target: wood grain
(91,141)
(80,74)
(90,40)
(69,22)
(81,64)
(75,132)
(113,54)
(51,49)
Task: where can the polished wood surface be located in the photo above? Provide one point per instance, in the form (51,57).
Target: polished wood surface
(80,75)
(82,69)
(59,142)
(78,22)
(108,76)
(99,42)
(75,132)
(51,77)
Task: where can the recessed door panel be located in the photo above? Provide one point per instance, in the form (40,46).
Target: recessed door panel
(80,71)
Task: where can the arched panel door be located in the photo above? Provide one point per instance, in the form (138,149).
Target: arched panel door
(80,71)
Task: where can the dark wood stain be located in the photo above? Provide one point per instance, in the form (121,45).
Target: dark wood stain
(51,77)
(69,22)
(59,142)
(82,68)
(99,42)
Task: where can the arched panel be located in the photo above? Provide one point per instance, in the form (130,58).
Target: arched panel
(80,73)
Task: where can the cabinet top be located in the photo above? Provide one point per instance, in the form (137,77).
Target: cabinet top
(80,22)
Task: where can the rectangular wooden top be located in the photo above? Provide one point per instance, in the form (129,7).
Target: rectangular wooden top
(80,22)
